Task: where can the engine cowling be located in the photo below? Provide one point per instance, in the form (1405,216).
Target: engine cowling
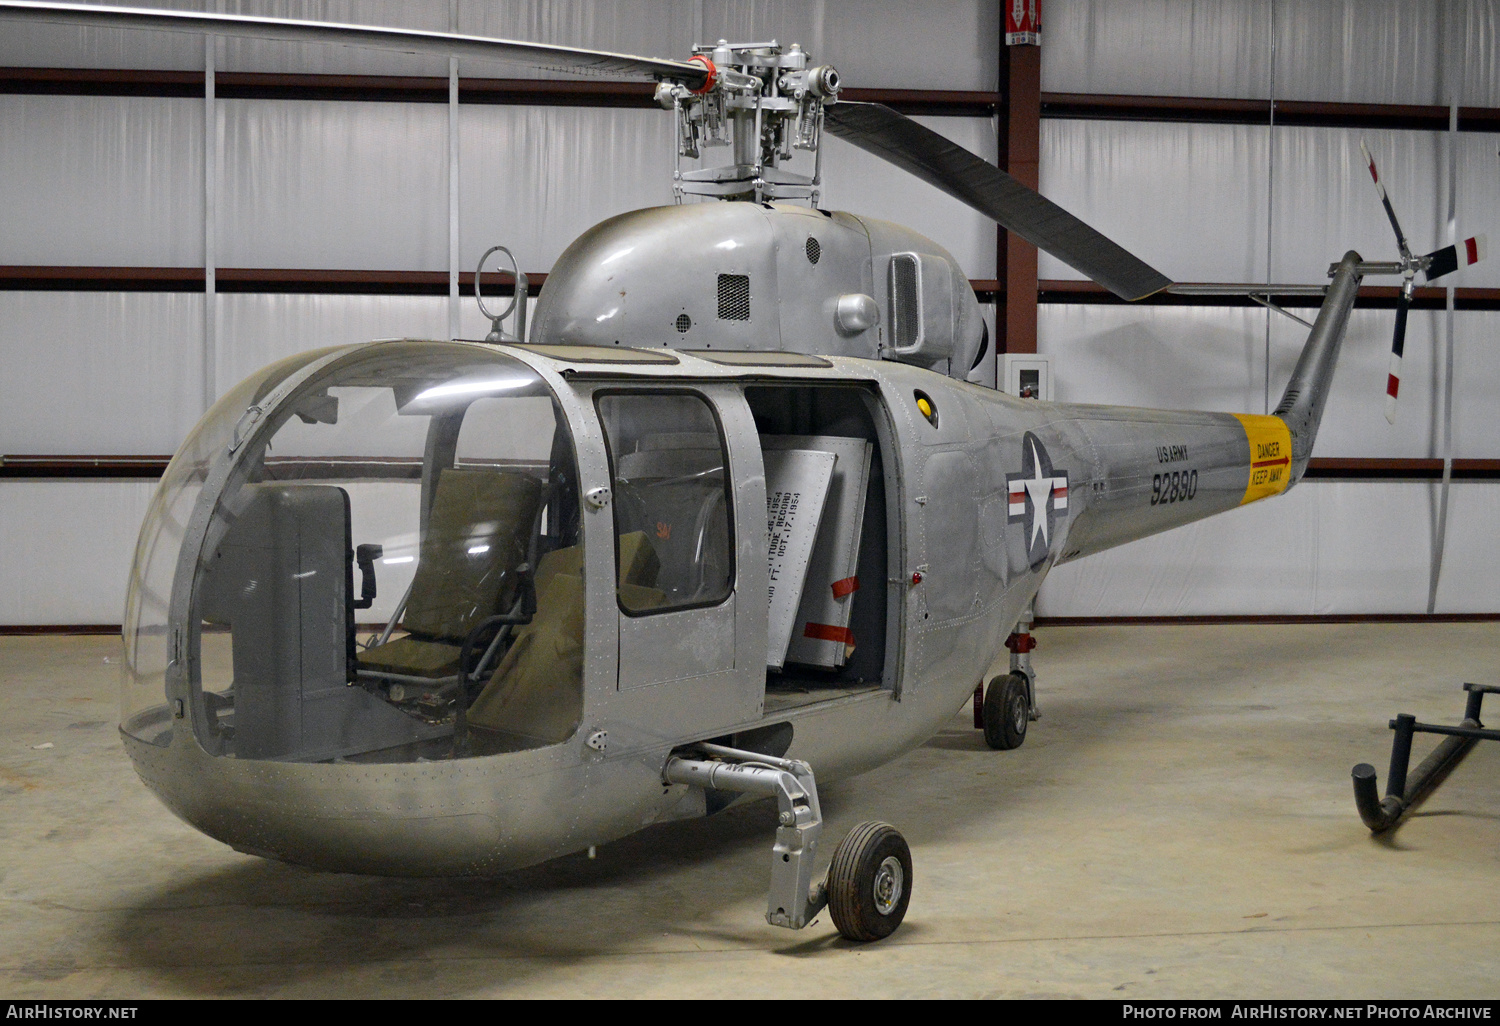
(761,276)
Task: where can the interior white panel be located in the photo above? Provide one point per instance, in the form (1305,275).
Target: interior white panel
(1166,357)
(1305,553)
(323,59)
(1362,51)
(37,45)
(951,45)
(1213,358)
(101,181)
(99,372)
(535,178)
(1326,204)
(66,549)
(863,184)
(1369,51)
(256,329)
(886,44)
(1190,200)
(1354,422)
(1468,580)
(326,184)
(1476,376)
(1157,47)
(652,28)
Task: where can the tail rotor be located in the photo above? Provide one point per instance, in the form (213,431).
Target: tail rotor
(1431,265)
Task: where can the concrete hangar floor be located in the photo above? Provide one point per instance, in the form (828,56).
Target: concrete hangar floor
(1179,824)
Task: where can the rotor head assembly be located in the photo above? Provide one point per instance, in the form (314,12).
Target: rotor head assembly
(762,101)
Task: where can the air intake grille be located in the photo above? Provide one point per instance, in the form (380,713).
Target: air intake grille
(684,322)
(906,309)
(734,297)
(814,250)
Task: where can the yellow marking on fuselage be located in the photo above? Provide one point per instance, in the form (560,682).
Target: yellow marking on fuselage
(1270,456)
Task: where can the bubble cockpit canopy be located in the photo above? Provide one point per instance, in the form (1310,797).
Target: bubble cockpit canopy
(382,561)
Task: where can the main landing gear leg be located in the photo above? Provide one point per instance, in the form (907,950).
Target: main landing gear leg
(1005,709)
(868,886)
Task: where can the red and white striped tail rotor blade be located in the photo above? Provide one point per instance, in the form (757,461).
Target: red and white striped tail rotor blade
(1385,201)
(1398,346)
(1453,258)
(1392,387)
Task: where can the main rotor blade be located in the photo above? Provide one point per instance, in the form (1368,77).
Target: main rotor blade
(537,55)
(965,176)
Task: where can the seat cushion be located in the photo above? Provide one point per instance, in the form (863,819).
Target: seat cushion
(413,656)
(639,563)
(478,532)
(537,690)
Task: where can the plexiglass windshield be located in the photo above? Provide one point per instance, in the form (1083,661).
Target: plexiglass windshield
(393,569)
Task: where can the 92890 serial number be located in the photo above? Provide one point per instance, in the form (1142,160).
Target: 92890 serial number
(1178,486)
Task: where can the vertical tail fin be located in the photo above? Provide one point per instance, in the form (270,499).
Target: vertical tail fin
(1301,406)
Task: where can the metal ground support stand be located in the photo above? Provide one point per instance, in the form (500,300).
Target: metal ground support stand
(794,898)
(1401,795)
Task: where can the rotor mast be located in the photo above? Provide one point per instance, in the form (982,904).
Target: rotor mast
(762,102)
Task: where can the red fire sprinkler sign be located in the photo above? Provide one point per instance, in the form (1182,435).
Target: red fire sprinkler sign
(1023,23)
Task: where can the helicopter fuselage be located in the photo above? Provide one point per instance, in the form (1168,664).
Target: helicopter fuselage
(973,496)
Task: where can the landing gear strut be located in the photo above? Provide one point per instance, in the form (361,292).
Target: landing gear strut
(1005,708)
(868,886)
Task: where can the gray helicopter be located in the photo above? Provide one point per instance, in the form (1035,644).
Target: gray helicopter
(728,523)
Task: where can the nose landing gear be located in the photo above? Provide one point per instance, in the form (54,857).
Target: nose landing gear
(869,882)
(867,887)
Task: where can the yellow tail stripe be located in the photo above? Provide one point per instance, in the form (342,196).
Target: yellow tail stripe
(1270,456)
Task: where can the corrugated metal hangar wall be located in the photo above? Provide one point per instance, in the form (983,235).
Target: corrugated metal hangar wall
(123,192)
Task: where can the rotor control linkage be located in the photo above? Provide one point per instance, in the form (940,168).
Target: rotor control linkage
(794,898)
(1403,795)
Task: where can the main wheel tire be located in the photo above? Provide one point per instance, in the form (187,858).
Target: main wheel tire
(1007,712)
(869,883)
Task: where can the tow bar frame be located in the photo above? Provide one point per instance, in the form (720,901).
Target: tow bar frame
(1402,794)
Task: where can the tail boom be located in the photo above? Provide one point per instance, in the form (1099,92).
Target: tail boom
(1301,406)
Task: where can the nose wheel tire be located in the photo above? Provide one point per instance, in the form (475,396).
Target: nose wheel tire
(1007,711)
(869,882)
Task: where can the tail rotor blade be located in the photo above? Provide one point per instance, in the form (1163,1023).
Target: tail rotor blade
(1385,200)
(1398,345)
(972,180)
(1451,258)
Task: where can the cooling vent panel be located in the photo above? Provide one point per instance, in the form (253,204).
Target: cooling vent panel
(906,303)
(734,297)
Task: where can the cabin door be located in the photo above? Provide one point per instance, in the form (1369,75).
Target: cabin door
(687,643)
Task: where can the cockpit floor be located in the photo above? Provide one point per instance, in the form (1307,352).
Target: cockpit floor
(784,694)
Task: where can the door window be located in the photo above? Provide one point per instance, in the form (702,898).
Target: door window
(671,501)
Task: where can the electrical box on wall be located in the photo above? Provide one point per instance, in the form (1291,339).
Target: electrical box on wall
(1028,376)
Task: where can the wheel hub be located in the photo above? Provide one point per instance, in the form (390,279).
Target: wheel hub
(890,882)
